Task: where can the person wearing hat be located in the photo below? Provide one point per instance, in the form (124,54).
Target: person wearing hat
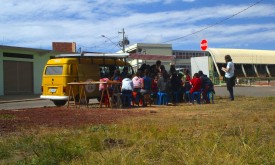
(229,75)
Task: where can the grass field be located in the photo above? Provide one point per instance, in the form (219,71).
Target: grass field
(239,132)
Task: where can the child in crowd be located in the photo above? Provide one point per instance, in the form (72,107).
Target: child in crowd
(181,89)
(146,83)
(196,83)
(207,86)
(126,90)
(196,87)
(124,73)
(137,82)
(186,85)
(164,83)
(155,85)
(102,86)
(117,76)
(154,88)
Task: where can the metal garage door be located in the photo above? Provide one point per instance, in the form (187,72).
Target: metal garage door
(18,77)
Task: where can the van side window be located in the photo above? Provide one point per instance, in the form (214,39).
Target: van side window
(54,70)
(70,69)
(109,69)
(104,70)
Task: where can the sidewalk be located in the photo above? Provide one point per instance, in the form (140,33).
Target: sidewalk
(18,98)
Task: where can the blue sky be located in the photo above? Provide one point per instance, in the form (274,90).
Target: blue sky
(36,23)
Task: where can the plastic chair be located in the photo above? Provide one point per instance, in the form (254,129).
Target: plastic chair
(210,96)
(147,99)
(136,99)
(162,98)
(153,96)
(117,99)
(187,96)
(197,96)
(126,99)
(176,97)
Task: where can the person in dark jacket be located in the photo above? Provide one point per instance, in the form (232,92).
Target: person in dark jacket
(164,82)
(175,87)
(147,81)
(207,86)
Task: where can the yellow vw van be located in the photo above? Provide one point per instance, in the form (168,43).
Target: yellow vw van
(66,68)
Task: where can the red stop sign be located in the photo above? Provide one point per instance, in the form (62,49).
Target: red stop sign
(204,44)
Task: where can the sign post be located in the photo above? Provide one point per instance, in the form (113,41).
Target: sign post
(204,44)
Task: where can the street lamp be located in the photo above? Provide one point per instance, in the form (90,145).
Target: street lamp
(120,44)
(110,41)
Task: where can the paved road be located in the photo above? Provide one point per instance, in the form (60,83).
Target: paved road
(21,102)
(253,91)
(26,104)
(29,103)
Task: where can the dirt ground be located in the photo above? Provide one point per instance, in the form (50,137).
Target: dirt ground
(14,120)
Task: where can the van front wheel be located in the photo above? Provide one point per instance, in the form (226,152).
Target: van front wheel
(59,103)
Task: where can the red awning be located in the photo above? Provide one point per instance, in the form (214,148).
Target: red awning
(151,57)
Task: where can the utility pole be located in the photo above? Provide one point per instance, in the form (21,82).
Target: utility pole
(124,41)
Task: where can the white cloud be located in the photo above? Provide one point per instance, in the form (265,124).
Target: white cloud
(188,0)
(84,21)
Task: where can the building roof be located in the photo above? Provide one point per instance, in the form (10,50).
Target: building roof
(146,45)
(243,56)
(39,51)
(151,57)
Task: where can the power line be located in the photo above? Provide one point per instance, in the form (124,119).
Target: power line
(217,23)
(116,44)
(101,44)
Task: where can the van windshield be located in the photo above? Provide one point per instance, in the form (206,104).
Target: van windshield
(54,70)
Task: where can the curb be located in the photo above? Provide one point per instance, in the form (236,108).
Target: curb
(23,100)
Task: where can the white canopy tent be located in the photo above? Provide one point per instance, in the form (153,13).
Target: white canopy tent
(242,57)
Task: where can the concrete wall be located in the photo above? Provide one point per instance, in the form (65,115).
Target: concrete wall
(38,65)
(40,58)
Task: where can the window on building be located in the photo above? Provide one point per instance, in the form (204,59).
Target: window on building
(17,55)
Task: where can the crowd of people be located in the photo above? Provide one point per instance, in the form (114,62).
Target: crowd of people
(152,79)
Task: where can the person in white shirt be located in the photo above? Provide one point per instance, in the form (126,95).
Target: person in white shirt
(229,75)
(127,89)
